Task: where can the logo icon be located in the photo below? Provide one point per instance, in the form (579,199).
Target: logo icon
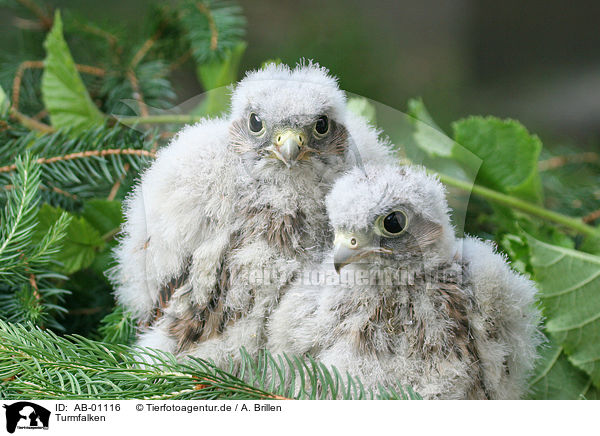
(26,415)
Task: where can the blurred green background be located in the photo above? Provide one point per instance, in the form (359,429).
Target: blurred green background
(536,61)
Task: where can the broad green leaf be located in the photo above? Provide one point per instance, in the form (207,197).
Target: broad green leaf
(105,215)
(4,102)
(427,138)
(556,378)
(517,249)
(428,145)
(509,153)
(361,106)
(63,92)
(215,75)
(80,244)
(569,283)
(222,71)
(591,244)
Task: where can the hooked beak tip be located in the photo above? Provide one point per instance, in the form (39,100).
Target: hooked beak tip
(342,256)
(289,152)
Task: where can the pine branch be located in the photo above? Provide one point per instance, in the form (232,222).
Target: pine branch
(85,166)
(16,88)
(26,291)
(40,365)
(17,223)
(83,155)
(147,83)
(31,123)
(118,327)
(213,27)
(44,18)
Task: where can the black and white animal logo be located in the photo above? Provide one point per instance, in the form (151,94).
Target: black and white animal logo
(26,415)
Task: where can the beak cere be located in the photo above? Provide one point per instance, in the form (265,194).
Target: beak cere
(288,145)
(349,247)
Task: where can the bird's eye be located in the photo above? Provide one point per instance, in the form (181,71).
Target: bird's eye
(392,224)
(255,124)
(322,125)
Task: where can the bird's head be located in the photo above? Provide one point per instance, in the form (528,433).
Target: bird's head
(387,215)
(286,119)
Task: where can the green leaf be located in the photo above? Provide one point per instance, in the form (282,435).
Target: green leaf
(517,250)
(361,106)
(427,138)
(556,378)
(428,145)
(4,102)
(223,71)
(215,75)
(509,153)
(591,244)
(80,244)
(416,109)
(63,92)
(569,283)
(105,215)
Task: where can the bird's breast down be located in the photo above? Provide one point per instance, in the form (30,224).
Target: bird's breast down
(275,229)
(419,334)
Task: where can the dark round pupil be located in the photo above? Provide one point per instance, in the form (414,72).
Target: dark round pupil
(322,125)
(255,123)
(394,222)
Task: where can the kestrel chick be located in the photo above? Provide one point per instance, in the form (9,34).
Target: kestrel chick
(413,304)
(233,208)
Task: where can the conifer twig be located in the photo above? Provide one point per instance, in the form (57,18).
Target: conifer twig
(39,364)
(45,20)
(117,184)
(214,32)
(137,93)
(30,123)
(16,87)
(146,46)
(180,61)
(559,161)
(85,154)
(591,217)
(40,115)
(54,189)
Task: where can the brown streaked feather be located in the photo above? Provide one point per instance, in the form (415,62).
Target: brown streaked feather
(457,304)
(200,323)
(337,144)
(165,293)
(389,319)
(282,232)
(187,329)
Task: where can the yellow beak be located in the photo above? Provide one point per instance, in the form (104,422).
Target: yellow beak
(287,146)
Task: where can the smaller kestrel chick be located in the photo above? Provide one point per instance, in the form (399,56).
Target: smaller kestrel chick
(412,305)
